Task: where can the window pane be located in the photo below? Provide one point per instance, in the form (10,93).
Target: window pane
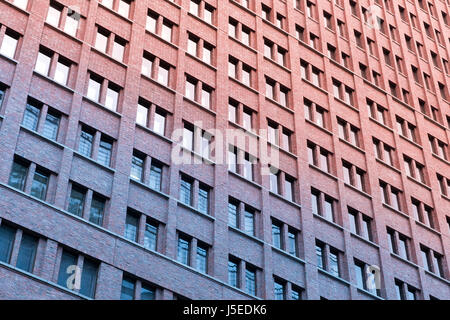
(127,291)
(233,215)
(39,186)
(292,246)
(166,32)
(42,63)
(232,274)
(131,227)
(31,117)
(18,176)
(150,236)
(27,253)
(89,278)
(202,261)
(163,75)
(183,251)
(66,270)
(7,235)
(147,292)
(185,192)
(203,201)
(278,291)
(112,99)
(61,73)
(276,236)
(104,153)
(8,47)
(51,127)
(71,25)
(142,114)
(249,223)
(137,167)
(97,210)
(155,177)
(76,202)
(334,264)
(250,282)
(93,92)
(159,125)
(101,41)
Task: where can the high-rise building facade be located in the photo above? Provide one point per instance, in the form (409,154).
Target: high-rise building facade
(224,149)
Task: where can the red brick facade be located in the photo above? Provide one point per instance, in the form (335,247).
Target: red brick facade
(379,119)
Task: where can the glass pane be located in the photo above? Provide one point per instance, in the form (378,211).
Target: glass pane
(31,117)
(112,99)
(42,63)
(249,223)
(89,278)
(159,124)
(51,127)
(39,186)
(18,176)
(97,210)
(104,153)
(183,251)
(232,274)
(61,73)
(147,292)
(127,291)
(71,25)
(66,270)
(76,202)
(9,46)
(27,253)
(155,177)
(250,282)
(202,261)
(276,236)
(137,167)
(93,92)
(7,235)
(150,236)
(232,215)
(101,41)
(141,116)
(131,227)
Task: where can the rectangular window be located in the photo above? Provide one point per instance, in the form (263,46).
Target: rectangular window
(183,251)
(40,185)
(85,145)
(155,176)
(202,259)
(128,288)
(250,281)
(137,168)
(233,274)
(76,201)
(18,176)
(186,192)
(249,223)
(131,227)
(7,236)
(31,116)
(150,236)
(276,235)
(89,278)
(97,210)
(104,152)
(51,126)
(233,215)
(203,200)
(27,253)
